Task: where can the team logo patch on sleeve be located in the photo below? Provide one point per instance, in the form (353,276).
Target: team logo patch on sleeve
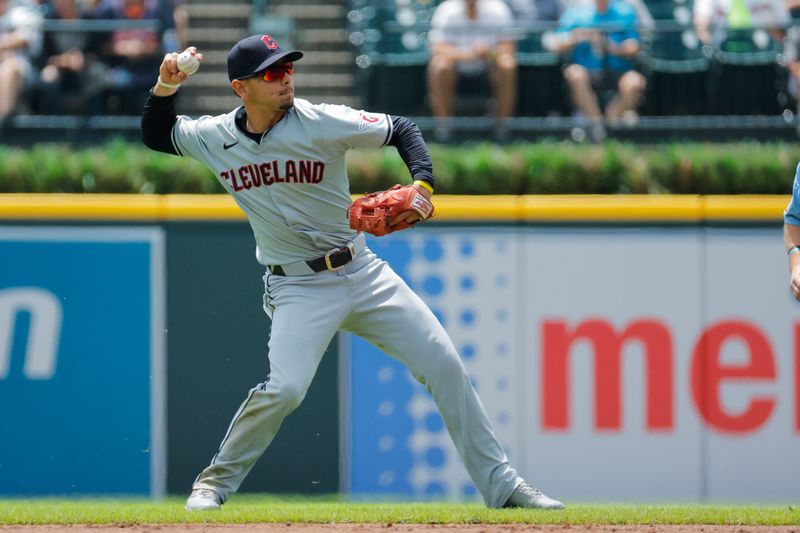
(368,120)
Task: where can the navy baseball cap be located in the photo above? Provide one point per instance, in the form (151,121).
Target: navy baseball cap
(253,54)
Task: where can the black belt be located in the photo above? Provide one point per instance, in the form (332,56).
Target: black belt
(333,260)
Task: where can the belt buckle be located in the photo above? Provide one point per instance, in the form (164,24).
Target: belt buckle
(349,246)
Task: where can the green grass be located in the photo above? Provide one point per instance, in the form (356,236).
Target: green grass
(253,509)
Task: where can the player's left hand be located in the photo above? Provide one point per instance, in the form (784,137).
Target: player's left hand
(384,212)
(411,217)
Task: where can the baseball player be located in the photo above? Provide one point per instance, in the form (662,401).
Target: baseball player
(791,235)
(283,161)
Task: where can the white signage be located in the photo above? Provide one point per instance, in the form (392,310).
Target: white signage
(621,364)
(43,333)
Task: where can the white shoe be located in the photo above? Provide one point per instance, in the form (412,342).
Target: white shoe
(530,497)
(204,500)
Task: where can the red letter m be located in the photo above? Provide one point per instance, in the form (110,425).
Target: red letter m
(556,343)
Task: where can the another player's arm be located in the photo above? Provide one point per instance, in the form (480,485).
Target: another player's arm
(408,140)
(791,238)
(791,235)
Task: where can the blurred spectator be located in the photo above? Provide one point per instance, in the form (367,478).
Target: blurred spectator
(175,22)
(551,10)
(643,16)
(471,43)
(791,55)
(71,75)
(20,42)
(713,18)
(794,8)
(603,42)
(133,55)
(532,11)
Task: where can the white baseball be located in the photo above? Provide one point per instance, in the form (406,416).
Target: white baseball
(188,63)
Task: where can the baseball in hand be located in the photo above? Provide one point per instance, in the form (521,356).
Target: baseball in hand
(188,63)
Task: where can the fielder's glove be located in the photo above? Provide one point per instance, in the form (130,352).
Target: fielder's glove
(374,212)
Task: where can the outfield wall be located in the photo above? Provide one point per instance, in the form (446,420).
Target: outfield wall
(617,364)
(626,349)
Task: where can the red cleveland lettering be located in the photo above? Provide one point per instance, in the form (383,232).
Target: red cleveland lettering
(305,171)
(244,176)
(255,176)
(708,374)
(259,174)
(291,172)
(557,341)
(319,170)
(236,186)
(266,174)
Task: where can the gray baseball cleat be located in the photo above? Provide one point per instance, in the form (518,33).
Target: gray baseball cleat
(203,500)
(530,497)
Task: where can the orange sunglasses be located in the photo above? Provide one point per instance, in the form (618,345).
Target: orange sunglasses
(277,72)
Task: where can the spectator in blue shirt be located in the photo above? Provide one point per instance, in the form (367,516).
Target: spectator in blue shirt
(603,42)
(791,235)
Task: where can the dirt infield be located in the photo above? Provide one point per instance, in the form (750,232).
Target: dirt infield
(393,528)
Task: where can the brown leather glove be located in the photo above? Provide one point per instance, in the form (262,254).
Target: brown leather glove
(374,212)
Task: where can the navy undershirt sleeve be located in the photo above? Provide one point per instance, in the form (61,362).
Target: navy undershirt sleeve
(408,140)
(158,118)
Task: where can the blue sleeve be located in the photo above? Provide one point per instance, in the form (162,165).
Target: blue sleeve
(629,21)
(568,21)
(792,213)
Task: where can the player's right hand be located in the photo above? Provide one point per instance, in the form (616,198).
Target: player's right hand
(169,73)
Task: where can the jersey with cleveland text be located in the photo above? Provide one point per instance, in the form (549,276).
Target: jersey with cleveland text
(292,185)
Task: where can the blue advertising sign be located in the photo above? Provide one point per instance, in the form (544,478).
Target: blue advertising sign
(81,361)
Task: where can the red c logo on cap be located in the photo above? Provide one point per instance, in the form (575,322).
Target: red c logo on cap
(269,41)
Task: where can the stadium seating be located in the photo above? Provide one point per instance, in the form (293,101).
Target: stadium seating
(675,62)
(748,78)
(685,77)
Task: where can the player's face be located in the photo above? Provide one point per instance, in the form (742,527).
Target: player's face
(272,88)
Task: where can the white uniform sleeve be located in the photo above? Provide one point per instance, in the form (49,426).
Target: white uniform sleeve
(343,128)
(187,136)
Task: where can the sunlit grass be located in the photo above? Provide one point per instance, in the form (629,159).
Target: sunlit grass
(257,508)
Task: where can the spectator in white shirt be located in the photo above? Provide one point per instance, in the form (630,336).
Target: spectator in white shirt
(469,40)
(20,42)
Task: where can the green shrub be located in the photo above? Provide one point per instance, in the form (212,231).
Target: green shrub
(521,168)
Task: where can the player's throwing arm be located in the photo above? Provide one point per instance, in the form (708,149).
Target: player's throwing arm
(175,69)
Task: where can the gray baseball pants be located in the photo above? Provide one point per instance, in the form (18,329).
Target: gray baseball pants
(367,298)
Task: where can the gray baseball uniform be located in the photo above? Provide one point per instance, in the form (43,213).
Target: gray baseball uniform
(293,187)
(291,181)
